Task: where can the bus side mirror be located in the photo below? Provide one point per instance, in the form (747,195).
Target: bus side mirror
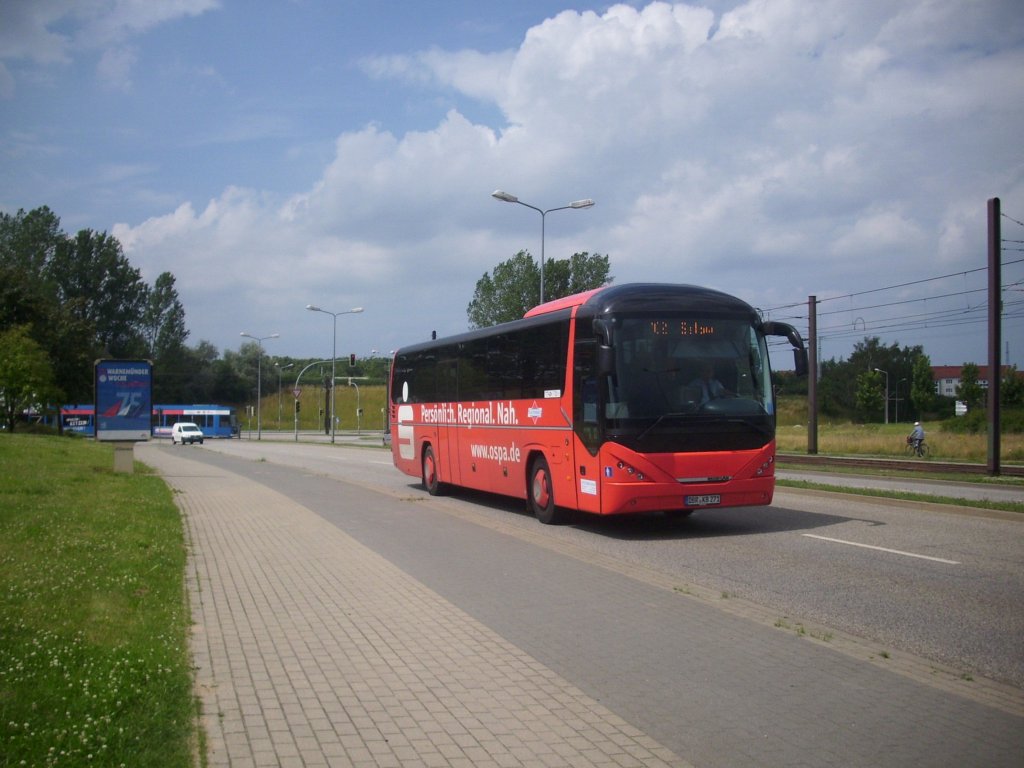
(772,328)
(605,353)
(800,361)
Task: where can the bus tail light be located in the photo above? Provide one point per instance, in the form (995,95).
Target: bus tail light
(765,467)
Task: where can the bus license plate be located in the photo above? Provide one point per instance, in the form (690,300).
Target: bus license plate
(703,501)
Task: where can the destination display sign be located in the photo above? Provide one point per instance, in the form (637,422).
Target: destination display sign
(679,328)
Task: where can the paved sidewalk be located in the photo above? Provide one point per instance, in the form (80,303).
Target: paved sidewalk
(312,650)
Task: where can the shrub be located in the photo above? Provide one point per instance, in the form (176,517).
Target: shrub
(976,422)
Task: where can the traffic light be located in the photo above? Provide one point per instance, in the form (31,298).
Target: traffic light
(298,406)
(352,359)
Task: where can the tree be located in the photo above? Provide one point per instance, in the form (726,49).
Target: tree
(27,243)
(870,398)
(513,287)
(99,285)
(922,385)
(228,385)
(580,272)
(26,377)
(1012,388)
(507,295)
(969,390)
(81,299)
(29,240)
(28,296)
(164,331)
(163,322)
(839,388)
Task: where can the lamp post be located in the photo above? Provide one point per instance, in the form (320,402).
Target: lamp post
(505,197)
(886,393)
(334,350)
(259,377)
(279,403)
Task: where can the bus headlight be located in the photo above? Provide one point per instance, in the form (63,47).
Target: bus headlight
(630,470)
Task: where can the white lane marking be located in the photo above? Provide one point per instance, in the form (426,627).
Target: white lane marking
(883,549)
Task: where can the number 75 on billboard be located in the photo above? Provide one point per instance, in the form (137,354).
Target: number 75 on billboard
(124,399)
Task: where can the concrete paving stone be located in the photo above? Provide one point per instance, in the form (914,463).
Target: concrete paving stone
(299,624)
(266,759)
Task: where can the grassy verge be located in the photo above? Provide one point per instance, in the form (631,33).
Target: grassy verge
(885,440)
(94,664)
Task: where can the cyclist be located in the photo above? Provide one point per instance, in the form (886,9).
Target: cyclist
(916,437)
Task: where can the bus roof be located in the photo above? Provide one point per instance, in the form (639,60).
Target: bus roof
(647,297)
(628,297)
(566,302)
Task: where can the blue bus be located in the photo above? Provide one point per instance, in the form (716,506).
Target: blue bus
(214,420)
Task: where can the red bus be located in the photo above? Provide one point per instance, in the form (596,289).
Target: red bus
(624,399)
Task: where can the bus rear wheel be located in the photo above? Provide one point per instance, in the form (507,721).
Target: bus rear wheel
(541,495)
(429,473)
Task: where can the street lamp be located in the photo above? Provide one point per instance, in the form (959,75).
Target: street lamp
(279,403)
(886,393)
(505,197)
(259,378)
(334,349)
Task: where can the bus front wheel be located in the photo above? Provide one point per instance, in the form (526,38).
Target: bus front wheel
(430,479)
(542,497)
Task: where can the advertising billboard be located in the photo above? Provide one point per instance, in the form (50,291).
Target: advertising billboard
(124,399)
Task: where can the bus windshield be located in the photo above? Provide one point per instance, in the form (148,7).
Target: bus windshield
(685,383)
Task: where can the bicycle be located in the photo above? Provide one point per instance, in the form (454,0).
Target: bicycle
(920,449)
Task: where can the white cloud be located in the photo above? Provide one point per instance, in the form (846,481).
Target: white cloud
(29,32)
(111,21)
(115,68)
(479,75)
(25,31)
(876,232)
(781,149)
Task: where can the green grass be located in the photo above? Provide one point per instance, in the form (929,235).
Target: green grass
(94,662)
(839,438)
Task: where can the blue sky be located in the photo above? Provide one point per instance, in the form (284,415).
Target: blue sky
(277,154)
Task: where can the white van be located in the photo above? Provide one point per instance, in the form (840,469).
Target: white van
(186,432)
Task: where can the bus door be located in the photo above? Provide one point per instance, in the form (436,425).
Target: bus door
(587,401)
(448,433)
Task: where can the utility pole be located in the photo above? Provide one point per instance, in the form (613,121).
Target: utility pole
(812,375)
(995,304)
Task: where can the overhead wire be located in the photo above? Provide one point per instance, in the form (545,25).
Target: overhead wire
(946,319)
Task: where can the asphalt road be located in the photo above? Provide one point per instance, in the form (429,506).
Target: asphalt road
(944,584)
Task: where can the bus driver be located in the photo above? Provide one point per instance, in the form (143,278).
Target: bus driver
(710,387)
